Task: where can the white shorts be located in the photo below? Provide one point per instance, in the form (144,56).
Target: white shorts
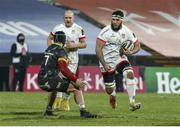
(73,67)
(113,64)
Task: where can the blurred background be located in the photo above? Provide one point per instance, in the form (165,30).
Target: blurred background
(155,22)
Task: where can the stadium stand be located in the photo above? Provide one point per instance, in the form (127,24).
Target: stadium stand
(156,23)
(92,15)
(152,20)
(36,19)
(23,16)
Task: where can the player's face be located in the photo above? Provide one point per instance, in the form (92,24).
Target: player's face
(116,22)
(68,19)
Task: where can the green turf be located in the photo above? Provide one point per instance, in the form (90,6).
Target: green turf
(26,109)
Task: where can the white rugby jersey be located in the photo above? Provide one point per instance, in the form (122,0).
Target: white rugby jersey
(73,33)
(112,43)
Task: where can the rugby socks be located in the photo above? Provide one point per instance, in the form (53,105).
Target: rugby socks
(113,93)
(59,94)
(82,106)
(58,100)
(49,108)
(131,89)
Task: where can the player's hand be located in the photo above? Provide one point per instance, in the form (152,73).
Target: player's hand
(80,83)
(127,52)
(68,61)
(107,68)
(71,45)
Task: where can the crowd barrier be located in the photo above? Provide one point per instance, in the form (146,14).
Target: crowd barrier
(148,79)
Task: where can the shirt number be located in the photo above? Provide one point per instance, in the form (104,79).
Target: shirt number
(47,58)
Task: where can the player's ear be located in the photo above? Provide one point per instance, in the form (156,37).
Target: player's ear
(51,36)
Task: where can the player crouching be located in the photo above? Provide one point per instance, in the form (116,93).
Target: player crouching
(55,76)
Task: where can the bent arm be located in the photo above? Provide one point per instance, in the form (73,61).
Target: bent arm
(137,47)
(81,44)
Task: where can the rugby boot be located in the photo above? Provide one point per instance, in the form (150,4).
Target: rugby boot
(134,106)
(86,114)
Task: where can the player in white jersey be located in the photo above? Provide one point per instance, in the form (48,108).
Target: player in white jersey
(74,34)
(75,40)
(112,56)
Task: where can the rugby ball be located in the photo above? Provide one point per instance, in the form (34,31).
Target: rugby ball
(128,45)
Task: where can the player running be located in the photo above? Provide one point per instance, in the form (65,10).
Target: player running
(108,46)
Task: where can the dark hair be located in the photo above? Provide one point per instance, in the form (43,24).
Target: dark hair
(20,37)
(118,13)
(60,36)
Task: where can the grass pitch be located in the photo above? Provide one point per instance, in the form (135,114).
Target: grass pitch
(21,109)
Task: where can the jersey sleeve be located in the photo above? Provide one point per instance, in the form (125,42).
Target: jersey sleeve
(103,35)
(81,33)
(131,36)
(63,67)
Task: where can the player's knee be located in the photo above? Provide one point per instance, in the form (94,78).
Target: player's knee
(109,90)
(129,77)
(110,87)
(128,74)
(77,91)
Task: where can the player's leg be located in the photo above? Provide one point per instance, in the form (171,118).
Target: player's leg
(58,101)
(62,99)
(125,67)
(66,95)
(51,99)
(52,84)
(79,99)
(110,87)
(131,88)
(65,102)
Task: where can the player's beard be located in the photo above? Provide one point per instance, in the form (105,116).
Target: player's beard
(116,29)
(68,24)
